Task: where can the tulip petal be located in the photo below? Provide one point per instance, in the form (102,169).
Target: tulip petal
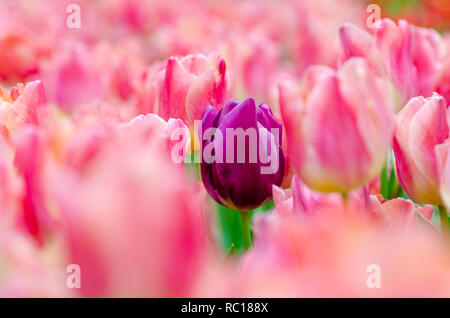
(415,184)
(339,157)
(427,129)
(174,87)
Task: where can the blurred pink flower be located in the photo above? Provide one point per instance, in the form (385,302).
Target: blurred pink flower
(443,87)
(302,201)
(134,229)
(394,215)
(72,77)
(339,126)
(330,257)
(411,57)
(399,214)
(26,271)
(318,28)
(253,62)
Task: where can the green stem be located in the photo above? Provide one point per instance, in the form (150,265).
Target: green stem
(345,197)
(444,219)
(245,220)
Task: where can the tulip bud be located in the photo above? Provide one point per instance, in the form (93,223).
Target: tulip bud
(242,155)
(422,125)
(187,85)
(338,126)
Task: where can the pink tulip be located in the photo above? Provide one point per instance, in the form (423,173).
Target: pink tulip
(29,156)
(302,201)
(136,226)
(411,57)
(443,87)
(145,89)
(21,46)
(11,186)
(187,85)
(400,214)
(318,28)
(26,271)
(72,77)
(254,61)
(332,257)
(393,215)
(23,110)
(339,126)
(173,136)
(25,104)
(422,125)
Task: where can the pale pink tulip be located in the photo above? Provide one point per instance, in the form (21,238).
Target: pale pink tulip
(422,125)
(443,87)
(339,126)
(400,214)
(411,57)
(254,62)
(25,104)
(317,29)
(173,136)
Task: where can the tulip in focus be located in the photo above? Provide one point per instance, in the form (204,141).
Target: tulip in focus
(422,125)
(242,185)
(242,156)
(339,126)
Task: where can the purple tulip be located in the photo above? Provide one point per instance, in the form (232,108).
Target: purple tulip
(241,154)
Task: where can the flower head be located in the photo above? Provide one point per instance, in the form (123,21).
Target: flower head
(242,156)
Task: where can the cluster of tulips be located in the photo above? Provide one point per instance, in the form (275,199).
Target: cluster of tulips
(340,185)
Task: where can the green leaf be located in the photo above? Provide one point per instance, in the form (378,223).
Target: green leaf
(230,228)
(384,183)
(396,6)
(266,207)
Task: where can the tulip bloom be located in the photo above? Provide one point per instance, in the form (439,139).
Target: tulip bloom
(238,177)
(339,126)
(301,200)
(187,85)
(422,125)
(25,104)
(411,57)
